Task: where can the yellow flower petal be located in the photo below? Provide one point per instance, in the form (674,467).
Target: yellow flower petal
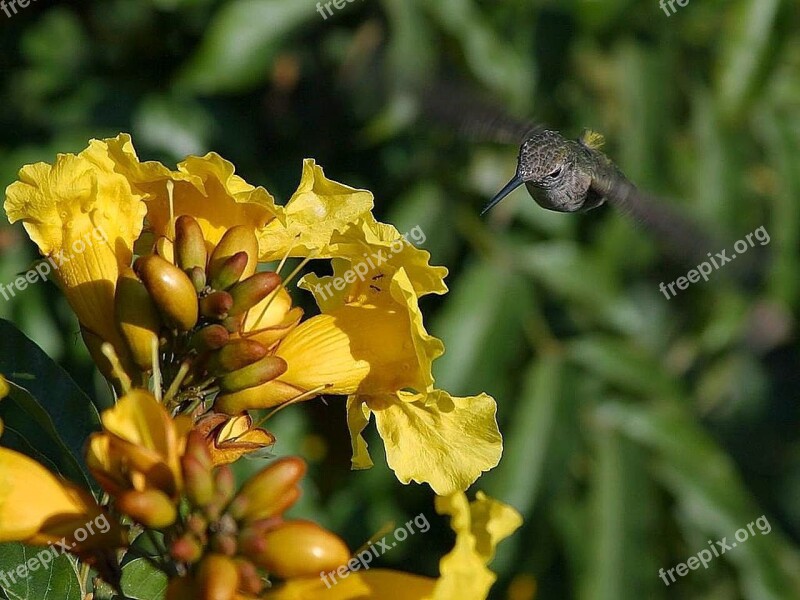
(85,218)
(4,389)
(140,446)
(33,500)
(317,210)
(434,438)
(371,253)
(357,420)
(479,527)
(205,187)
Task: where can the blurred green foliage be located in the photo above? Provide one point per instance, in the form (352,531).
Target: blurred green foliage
(636,428)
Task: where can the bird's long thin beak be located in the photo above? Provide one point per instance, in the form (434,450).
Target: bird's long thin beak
(509,187)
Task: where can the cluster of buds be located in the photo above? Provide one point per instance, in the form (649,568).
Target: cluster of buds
(231,543)
(184,307)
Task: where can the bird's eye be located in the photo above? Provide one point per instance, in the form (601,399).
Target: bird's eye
(555,173)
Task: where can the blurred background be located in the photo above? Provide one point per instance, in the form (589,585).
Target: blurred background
(636,428)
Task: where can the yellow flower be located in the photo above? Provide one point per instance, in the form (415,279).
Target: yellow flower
(3,387)
(205,187)
(38,508)
(84,218)
(479,526)
(139,448)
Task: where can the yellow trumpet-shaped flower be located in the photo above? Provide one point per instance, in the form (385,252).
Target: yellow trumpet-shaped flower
(479,526)
(203,186)
(38,508)
(139,448)
(84,218)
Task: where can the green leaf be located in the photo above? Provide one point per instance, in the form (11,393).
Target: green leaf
(142,581)
(46,415)
(623,365)
(620,563)
(711,496)
(52,579)
(743,63)
(241,42)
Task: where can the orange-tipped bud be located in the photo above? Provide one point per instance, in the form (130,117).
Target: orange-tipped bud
(246,294)
(230,272)
(171,290)
(137,318)
(270,492)
(250,582)
(301,548)
(186,548)
(151,508)
(217,578)
(252,538)
(190,245)
(262,371)
(237,239)
(235,355)
(224,544)
(225,484)
(210,337)
(216,305)
(197,524)
(198,277)
(198,470)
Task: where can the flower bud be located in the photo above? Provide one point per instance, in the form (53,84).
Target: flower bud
(198,278)
(225,484)
(217,578)
(137,318)
(216,305)
(224,544)
(237,239)
(190,245)
(250,582)
(171,290)
(210,337)
(235,355)
(186,548)
(230,272)
(152,508)
(301,548)
(246,294)
(269,492)
(266,369)
(197,470)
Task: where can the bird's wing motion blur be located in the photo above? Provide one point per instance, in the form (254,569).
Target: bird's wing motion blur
(472,117)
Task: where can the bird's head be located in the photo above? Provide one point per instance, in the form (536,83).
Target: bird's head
(556,172)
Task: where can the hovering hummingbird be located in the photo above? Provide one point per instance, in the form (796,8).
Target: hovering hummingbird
(565,175)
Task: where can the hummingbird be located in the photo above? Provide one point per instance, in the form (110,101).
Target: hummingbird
(566,175)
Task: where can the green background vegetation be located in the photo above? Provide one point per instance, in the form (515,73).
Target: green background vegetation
(636,428)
